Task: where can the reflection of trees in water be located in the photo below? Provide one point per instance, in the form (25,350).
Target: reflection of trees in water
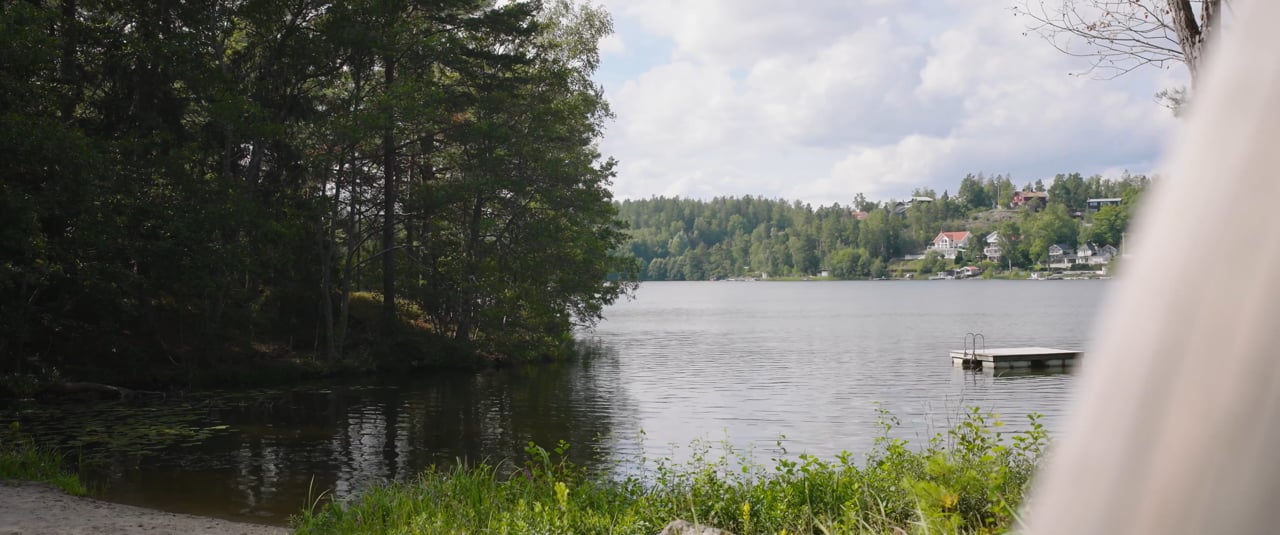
(349,437)
(245,455)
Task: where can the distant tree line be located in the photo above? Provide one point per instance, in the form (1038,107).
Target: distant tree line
(185,181)
(689,239)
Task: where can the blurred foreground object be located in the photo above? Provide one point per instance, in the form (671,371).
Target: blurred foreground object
(1176,424)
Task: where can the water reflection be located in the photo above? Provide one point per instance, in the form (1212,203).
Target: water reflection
(280,449)
(746,362)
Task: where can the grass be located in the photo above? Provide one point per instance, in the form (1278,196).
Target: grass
(21,459)
(970,479)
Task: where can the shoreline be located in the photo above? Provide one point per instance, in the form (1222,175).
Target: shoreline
(27,507)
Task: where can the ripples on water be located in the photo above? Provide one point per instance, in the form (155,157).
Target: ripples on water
(743,362)
(812,360)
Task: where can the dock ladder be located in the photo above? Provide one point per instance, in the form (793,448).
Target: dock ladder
(971,340)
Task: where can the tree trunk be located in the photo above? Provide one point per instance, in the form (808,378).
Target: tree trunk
(467,320)
(389,206)
(1191,33)
(327,244)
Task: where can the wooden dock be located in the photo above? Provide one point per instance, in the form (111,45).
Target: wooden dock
(1014,357)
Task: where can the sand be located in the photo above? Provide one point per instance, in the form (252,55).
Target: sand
(34,508)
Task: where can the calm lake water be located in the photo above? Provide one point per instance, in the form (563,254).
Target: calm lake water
(744,362)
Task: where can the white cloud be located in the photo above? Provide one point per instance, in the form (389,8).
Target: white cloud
(612,45)
(825,99)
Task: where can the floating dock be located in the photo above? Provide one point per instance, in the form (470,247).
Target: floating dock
(1014,357)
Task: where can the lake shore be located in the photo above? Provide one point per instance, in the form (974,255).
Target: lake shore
(39,508)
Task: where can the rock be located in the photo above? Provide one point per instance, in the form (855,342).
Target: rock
(684,527)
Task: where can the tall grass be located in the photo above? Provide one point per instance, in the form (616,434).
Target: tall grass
(21,459)
(969,479)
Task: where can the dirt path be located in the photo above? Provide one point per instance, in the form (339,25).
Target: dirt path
(31,508)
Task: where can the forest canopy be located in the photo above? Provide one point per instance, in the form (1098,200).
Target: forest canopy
(185,181)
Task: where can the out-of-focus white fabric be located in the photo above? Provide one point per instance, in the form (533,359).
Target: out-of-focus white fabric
(1176,424)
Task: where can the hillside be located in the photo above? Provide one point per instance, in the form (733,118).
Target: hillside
(688,239)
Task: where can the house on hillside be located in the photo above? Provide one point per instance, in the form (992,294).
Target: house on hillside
(992,250)
(1033,199)
(950,243)
(1096,204)
(1105,254)
(1061,255)
(1094,255)
(902,206)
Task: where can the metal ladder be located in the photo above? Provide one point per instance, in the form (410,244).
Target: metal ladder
(975,337)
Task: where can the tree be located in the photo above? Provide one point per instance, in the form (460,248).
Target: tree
(1119,36)
(881,235)
(932,263)
(879,269)
(1069,190)
(191,179)
(999,190)
(1050,226)
(973,193)
(844,263)
(1013,248)
(1109,225)
(804,256)
(861,203)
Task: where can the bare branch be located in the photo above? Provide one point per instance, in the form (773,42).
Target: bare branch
(1120,36)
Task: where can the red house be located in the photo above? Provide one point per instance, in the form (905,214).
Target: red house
(1037,199)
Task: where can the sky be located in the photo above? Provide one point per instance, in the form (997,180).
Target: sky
(818,100)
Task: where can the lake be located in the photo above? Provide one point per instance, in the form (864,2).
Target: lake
(744,362)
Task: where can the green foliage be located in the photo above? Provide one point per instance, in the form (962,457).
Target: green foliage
(191,181)
(688,239)
(22,460)
(970,479)
(933,262)
(1108,226)
(1050,226)
(1069,191)
(988,268)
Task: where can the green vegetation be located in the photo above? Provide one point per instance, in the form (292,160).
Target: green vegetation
(970,479)
(193,189)
(686,239)
(22,460)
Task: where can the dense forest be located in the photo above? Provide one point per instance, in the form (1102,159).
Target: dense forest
(188,183)
(685,239)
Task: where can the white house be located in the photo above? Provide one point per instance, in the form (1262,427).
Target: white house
(950,243)
(992,250)
(1094,255)
(1061,255)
